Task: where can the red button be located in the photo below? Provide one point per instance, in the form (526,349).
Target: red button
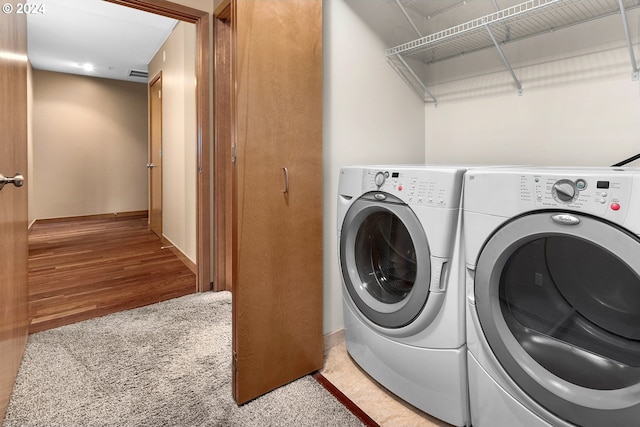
(399,187)
(615,206)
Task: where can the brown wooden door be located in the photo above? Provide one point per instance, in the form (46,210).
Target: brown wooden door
(155,156)
(14,316)
(277,273)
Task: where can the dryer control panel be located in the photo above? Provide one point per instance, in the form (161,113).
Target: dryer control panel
(598,195)
(432,187)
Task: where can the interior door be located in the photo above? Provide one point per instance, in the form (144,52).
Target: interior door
(277,273)
(155,156)
(14,316)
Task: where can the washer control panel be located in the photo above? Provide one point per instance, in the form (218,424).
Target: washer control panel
(591,194)
(416,186)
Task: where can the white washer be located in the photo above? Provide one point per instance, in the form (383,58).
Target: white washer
(403,296)
(553,296)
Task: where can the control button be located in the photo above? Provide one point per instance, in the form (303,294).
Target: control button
(603,201)
(603,194)
(615,206)
(581,184)
(399,187)
(441,201)
(539,196)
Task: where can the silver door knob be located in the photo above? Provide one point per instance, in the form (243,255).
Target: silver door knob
(150,166)
(17,180)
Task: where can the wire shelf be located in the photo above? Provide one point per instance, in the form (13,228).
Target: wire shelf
(521,21)
(515,23)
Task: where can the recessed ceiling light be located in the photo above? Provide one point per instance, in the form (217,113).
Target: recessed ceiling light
(87,67)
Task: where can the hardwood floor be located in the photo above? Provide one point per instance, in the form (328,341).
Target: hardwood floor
(85,268)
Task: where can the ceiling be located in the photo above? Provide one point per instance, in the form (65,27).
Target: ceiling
(114,39)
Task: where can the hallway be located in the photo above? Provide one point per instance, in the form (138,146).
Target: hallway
(87,267)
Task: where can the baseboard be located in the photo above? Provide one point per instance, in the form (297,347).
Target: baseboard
(333,339)
(168,244)
(111,215)
(348,403)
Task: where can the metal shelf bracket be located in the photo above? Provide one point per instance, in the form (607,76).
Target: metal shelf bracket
(415,79)
(634,67)
(406,15)
(426,91)
(504,58)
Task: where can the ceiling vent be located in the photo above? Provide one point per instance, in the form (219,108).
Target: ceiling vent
(138,73)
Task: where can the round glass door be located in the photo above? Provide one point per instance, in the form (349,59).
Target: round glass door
(385,260)
(385,257)
(575,311)
(560,308)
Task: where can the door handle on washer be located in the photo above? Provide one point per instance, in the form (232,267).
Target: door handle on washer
(439,274)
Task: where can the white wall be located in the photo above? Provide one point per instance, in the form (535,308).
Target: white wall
(579,106)
(370,117)
(89,146)
(176,60)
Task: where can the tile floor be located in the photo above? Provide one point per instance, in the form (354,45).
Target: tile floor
(381,405)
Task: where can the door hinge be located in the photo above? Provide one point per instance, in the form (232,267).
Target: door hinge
(234,361)
(234,153)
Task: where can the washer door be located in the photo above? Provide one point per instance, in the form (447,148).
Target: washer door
(558,299)
(385,260)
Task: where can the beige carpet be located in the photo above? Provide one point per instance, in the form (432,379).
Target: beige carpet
(167,364)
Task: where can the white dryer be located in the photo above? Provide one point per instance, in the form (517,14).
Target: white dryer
(403,299)
(553,296)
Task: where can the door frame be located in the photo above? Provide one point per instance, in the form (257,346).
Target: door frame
(201,19)
(224,137)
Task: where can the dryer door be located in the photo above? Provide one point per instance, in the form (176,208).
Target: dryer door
(385,260)
(558,299)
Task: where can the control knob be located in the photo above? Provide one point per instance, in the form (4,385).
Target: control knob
(379,179)
(564,191)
